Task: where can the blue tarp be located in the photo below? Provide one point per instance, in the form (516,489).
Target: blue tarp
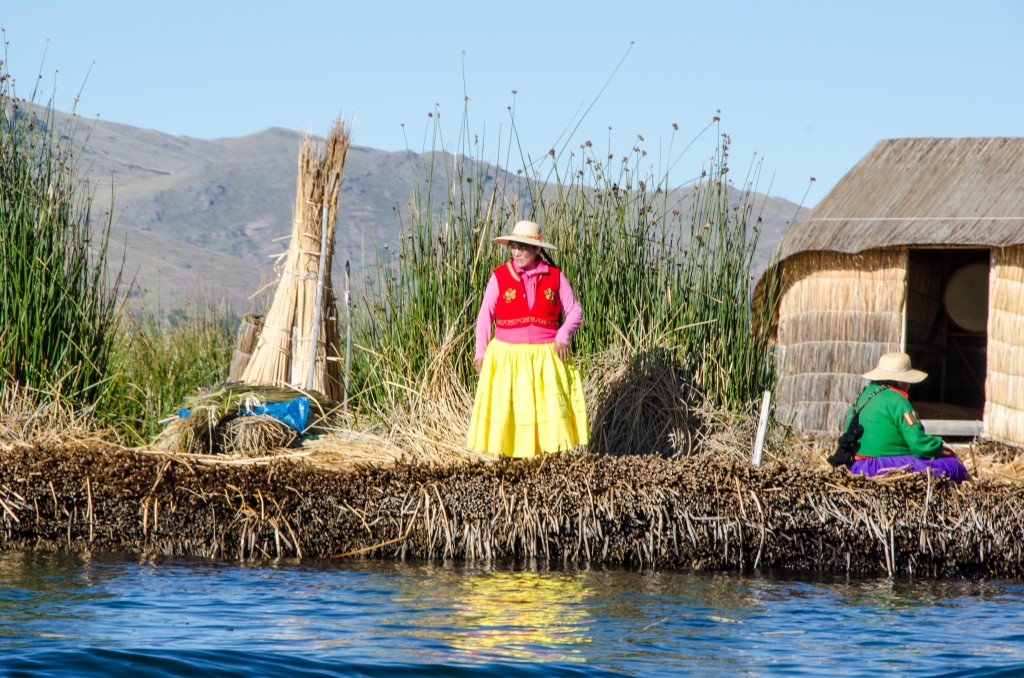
(294,412)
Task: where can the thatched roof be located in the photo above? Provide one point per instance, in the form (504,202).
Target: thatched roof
(921,192)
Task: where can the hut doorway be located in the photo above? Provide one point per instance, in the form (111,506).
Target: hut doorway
(946,334)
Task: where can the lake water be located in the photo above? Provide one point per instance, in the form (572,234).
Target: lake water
(114,615)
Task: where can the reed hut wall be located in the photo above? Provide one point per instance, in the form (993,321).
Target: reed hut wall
(1004,387)
(837,314)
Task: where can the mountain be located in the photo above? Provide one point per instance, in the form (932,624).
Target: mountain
(204,219)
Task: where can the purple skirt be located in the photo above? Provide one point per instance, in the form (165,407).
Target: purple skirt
(943,466)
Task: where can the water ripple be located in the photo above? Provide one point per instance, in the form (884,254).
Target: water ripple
(100,615)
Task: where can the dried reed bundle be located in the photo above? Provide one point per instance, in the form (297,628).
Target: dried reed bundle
(245,343)
(253,435)
(194,434)
(212,425)
(344,449)
(300,313)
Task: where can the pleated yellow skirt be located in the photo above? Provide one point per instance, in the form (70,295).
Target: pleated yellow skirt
(528,402)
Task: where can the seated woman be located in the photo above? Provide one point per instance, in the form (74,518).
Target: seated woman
(894,437)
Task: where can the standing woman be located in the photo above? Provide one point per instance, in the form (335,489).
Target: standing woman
(529,399)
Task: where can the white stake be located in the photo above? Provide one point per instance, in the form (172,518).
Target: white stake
(762,428)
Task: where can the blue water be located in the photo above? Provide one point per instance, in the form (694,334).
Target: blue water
(116,615)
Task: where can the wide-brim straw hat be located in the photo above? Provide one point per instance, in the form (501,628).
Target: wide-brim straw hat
(526,232)
(895,367)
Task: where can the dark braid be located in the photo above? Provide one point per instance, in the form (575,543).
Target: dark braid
(547,258)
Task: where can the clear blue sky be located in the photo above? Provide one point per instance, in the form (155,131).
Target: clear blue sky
(807,87)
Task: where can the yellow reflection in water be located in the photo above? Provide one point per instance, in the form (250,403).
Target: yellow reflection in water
(521,615)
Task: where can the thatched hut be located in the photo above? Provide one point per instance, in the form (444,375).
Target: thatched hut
(920,247)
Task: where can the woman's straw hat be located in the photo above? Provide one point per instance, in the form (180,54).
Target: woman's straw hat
(526,232)
(895,367)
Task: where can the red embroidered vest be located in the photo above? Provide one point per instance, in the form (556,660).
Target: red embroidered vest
(512,309)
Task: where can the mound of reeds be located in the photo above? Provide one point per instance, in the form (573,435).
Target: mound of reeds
(222,421)
(30,419)
(645,403)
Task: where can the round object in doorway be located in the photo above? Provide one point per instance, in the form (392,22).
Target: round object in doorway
(966,297)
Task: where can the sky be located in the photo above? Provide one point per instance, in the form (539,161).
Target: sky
(803,89)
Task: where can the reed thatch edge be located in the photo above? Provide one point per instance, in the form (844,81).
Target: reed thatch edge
(632,510)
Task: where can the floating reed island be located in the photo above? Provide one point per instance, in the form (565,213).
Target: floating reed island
(664,483)
(708,510)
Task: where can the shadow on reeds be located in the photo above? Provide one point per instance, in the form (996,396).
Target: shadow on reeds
(646,404)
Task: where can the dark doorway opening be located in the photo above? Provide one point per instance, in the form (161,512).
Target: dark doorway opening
(946,335)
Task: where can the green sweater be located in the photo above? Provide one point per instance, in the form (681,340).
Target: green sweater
(891,427)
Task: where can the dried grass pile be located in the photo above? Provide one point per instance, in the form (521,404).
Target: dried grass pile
(428,418)
(25,422)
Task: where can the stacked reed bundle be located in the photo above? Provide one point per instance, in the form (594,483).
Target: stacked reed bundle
(245,343)
(298,344)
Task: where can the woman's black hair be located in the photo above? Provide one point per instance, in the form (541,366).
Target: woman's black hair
(892,384)
(546,257)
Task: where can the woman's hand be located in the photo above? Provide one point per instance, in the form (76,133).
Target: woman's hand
(562,351)
(477,363)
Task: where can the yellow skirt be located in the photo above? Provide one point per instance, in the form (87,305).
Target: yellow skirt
(528,402)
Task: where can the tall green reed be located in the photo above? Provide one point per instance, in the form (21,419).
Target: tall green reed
(651,263)
(58,298)
(164,356)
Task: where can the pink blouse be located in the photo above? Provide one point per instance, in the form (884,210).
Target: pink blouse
(530,334)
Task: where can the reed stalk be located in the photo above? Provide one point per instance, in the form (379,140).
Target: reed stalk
(653,265)
(162,358)
(59,310)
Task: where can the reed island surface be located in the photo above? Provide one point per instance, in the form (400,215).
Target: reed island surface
(352,496)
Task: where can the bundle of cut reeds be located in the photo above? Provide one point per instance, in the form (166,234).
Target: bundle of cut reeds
(298,343)
(222,420)
(245,342)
